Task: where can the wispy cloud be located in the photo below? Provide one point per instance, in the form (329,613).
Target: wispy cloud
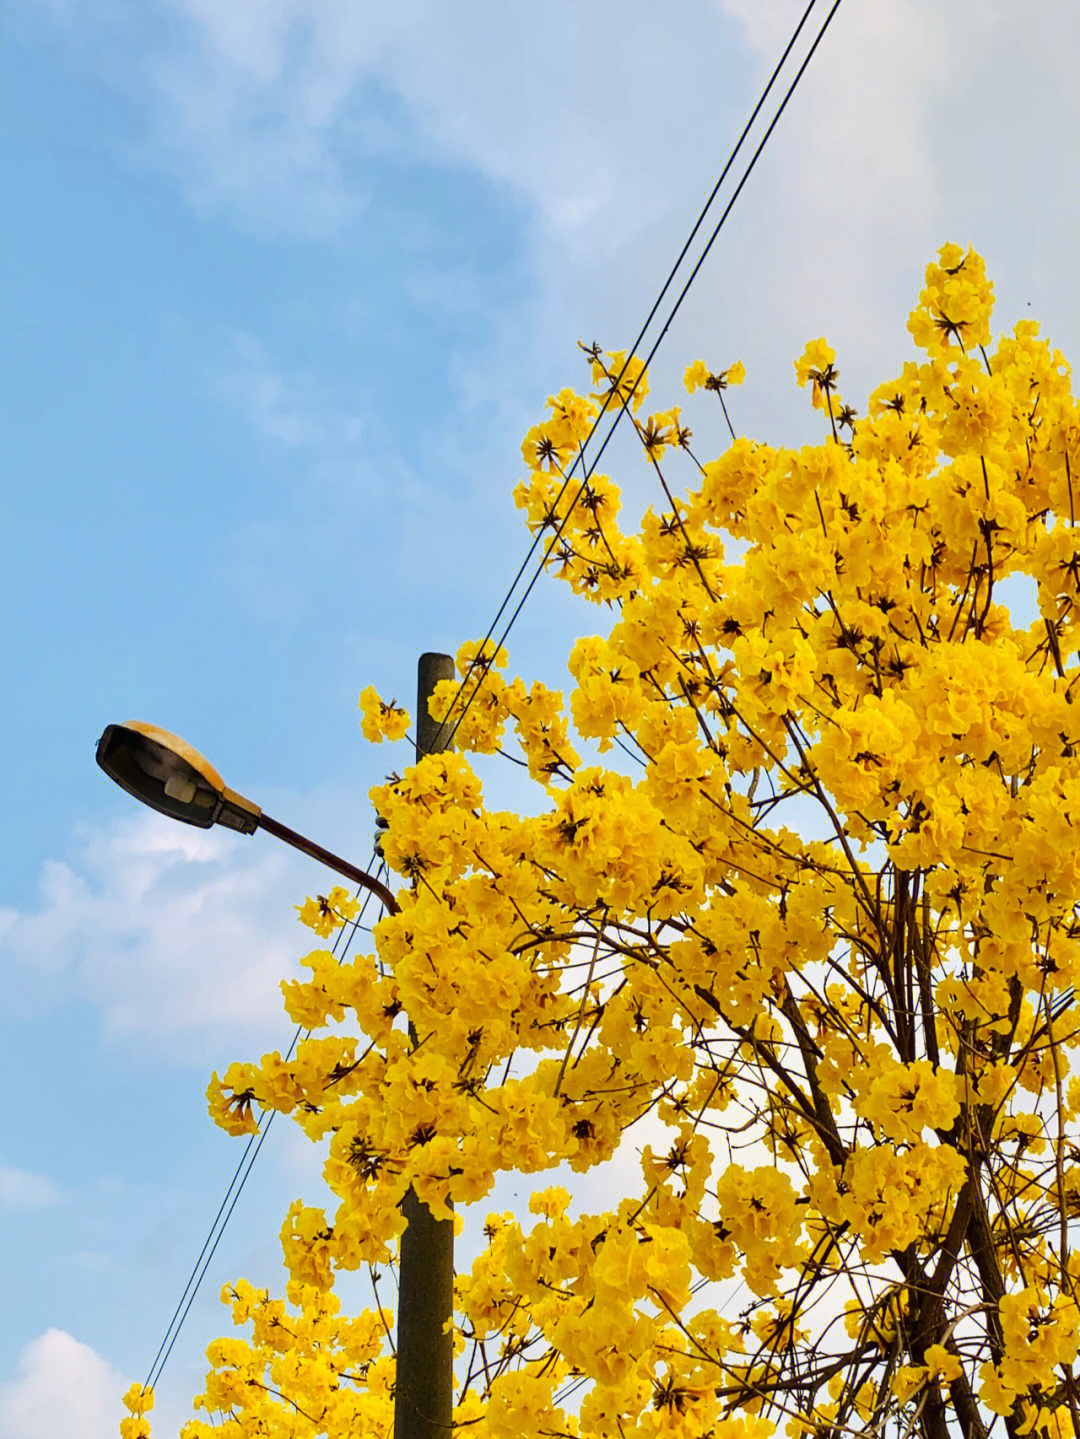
(20,1189)
(610,125)
(339,467)
(346,448)
(269,111)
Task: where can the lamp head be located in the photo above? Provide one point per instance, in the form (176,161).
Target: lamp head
(165,773)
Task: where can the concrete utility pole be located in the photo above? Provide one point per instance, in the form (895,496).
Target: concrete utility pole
(424,1393)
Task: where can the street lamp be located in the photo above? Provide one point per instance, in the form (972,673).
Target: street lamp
(165,772)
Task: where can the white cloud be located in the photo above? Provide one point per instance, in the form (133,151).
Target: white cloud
(89,1260)
(349,454)
(915,123)
(338,464)
(62,1389)
(268,110)
(284,408)
(170,932)
(20,1189)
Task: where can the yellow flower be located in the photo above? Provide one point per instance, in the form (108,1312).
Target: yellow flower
(816,366)
(550,1202)
(138,1399)
(908,1380)
(521,1407)
(908,1098)
(381,720)
(326,912)
(942,1365)
(698,376)
(624,380)
(695,376)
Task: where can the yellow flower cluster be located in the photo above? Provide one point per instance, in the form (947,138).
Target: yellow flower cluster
(810,903)
(138,1401)
(382,720)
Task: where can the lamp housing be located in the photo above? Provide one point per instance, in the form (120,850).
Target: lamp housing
(166,773)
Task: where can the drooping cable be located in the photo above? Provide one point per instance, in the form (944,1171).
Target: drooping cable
(236,1184)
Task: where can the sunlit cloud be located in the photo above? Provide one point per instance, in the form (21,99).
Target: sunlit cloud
(165,929)
(61,1387)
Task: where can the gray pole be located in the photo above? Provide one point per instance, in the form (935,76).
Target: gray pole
(424,1392)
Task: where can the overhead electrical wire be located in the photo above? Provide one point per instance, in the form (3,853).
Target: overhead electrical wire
(235,1187)
(210,1244)
(615,386)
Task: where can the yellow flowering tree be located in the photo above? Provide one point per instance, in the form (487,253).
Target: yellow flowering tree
(806,909)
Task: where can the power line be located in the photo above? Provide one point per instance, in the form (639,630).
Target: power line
(615,386)
(701,259)
(235,1189)
(221,1219)
(657,303)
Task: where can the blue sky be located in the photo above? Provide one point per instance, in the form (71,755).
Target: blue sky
(283,285)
